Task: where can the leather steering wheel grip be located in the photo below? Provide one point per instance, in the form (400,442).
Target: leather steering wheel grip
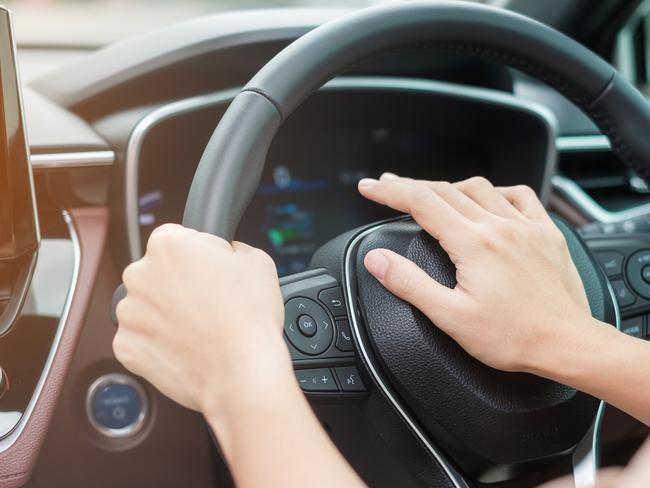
(230,168)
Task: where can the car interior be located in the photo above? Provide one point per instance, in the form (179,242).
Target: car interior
(256,124)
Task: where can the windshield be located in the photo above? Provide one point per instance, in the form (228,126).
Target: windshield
(95,23)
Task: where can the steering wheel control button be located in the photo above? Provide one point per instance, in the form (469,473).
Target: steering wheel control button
(333,300)
(610,261)
(623,294)
(307,325)
(635,272)
(645,273)
(349,379)
(344,336)
(634,327)
(116,405)
(298,312)
(320,379)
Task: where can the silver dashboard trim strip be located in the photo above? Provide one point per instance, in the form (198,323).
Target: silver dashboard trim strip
(134,146)
(587,143)
(577,197)
(79,159)
(165,112)
(10,439)
(362,347)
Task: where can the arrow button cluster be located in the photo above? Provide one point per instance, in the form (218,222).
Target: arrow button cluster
(308,326)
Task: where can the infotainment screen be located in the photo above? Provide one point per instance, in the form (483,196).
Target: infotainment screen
(18,224)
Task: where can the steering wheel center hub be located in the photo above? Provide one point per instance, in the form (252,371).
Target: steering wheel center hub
(479,415)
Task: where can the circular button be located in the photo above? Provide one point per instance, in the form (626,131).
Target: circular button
(116,405)
(645,273)
(635,271)
(298,308)
(307,325)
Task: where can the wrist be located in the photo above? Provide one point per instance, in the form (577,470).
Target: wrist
(249,412)
(565,351)
(257,383)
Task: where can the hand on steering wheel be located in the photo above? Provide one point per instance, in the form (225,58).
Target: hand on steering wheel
(518,294)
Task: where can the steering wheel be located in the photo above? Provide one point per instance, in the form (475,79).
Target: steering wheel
(464,415)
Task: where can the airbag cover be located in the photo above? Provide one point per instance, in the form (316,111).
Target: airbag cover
(474,411)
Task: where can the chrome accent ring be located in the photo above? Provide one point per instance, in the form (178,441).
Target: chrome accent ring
(122,379)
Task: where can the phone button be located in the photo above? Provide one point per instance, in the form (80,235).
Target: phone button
(344,337)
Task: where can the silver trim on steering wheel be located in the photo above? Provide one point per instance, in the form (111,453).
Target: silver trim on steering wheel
(585,455)
(350,292)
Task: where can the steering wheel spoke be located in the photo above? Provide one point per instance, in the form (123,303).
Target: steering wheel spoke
(317,333)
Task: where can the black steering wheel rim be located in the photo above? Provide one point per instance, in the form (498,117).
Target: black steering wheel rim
(230,169)
(231,166)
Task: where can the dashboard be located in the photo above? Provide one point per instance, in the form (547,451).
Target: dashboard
(118,133)
(352,129)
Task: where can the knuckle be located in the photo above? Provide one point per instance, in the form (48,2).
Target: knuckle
(477,183)
(121,349)
(443,187)
(420,194)
(488,237)
(163,237)
(131,275)
(123,312)
(524,191)
(419,199)
(263,257)
(557,236)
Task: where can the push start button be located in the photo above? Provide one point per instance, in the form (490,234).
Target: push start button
(116,405)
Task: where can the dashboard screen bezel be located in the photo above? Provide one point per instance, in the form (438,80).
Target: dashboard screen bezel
(19,228)
(519,137)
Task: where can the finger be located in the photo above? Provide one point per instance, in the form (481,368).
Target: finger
(524,199)
(428,208)
(479,189)
(450,193)
(403,278)
(487,196)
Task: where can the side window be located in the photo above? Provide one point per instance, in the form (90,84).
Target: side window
(632,49)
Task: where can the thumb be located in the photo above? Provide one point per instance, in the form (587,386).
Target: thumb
(406,280)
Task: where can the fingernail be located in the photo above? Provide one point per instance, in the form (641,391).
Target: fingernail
(388,176)
(367,182)
(377,264)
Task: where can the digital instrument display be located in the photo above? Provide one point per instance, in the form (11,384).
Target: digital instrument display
(308,193)
(308,190)
(18,226)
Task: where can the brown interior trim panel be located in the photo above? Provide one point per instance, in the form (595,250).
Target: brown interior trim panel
(88,228)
